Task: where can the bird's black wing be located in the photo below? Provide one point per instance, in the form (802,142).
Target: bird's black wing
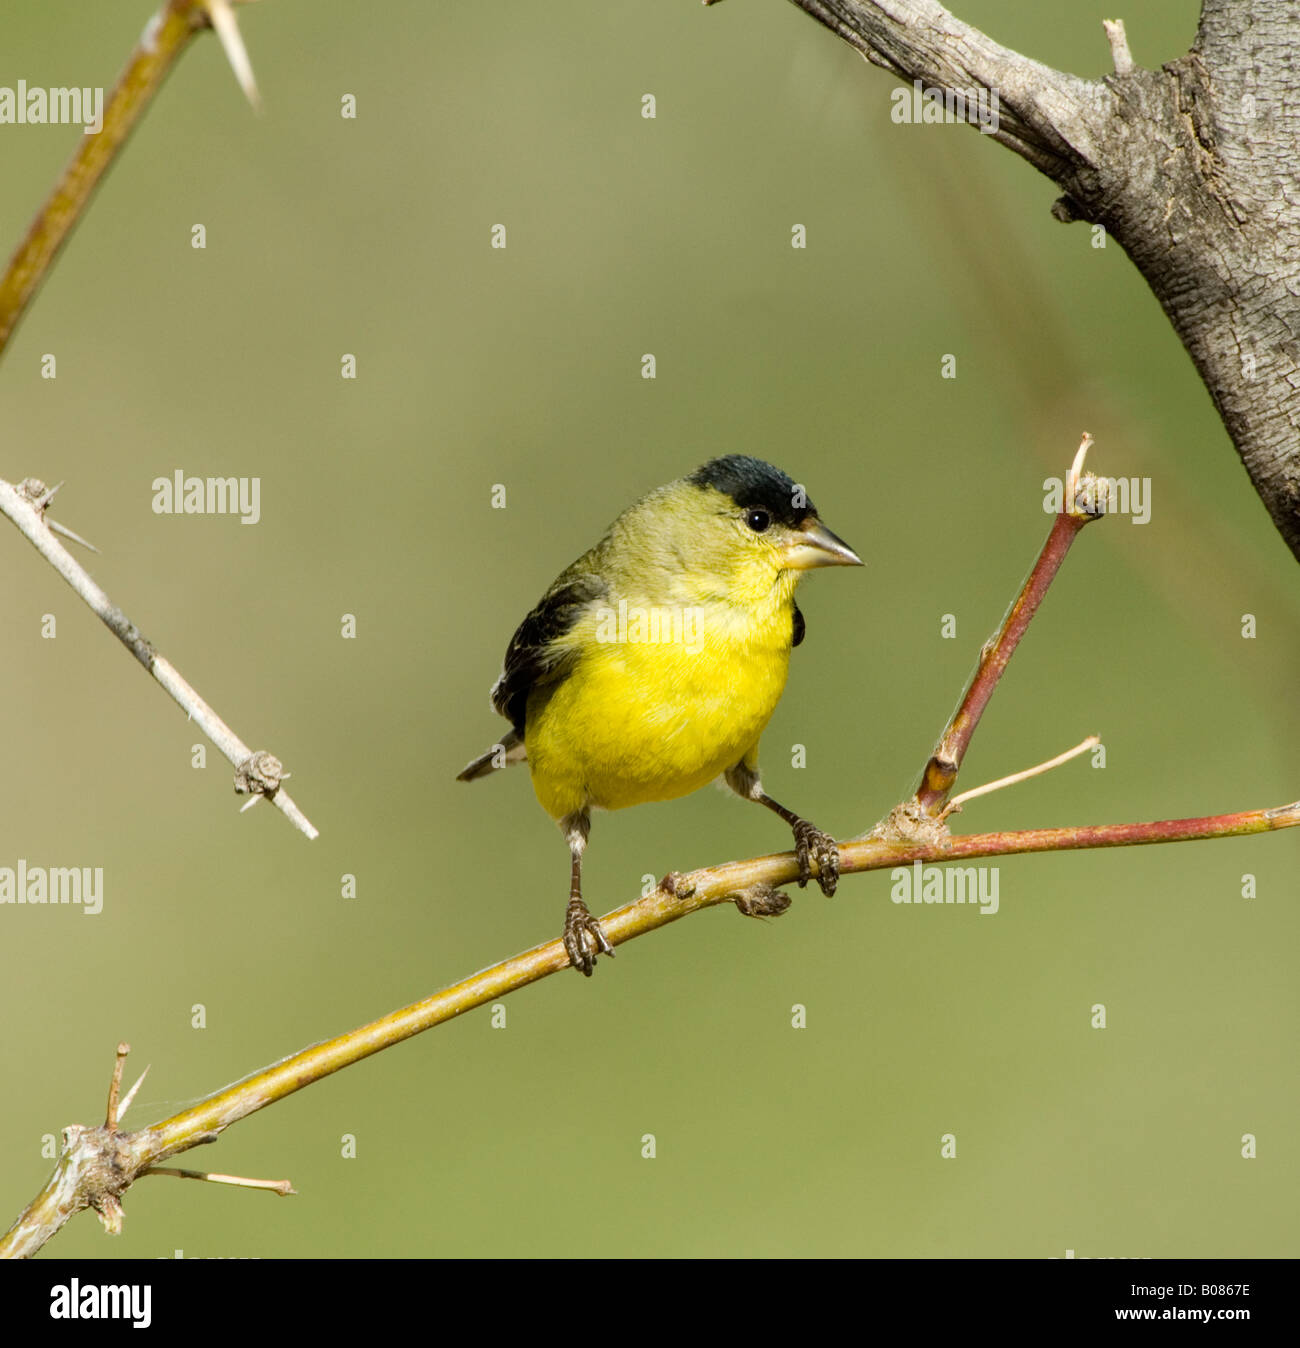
(800,627)
(533,656)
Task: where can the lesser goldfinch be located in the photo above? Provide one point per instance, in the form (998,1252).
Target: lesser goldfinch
(653,664)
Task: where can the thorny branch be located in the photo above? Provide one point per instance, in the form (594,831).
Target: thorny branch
(98,1165)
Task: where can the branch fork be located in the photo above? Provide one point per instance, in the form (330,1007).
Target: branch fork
(1179,167)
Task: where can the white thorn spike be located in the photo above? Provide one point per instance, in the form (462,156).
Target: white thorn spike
(223,20)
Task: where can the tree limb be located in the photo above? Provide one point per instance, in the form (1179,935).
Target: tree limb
(165,37)
(1190,167)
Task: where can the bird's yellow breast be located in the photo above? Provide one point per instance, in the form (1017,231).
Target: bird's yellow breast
(658,702)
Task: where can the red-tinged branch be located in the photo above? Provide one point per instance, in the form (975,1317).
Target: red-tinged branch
(941,771)
(1083,501)
(867,855)
(99,1164)
(162,42)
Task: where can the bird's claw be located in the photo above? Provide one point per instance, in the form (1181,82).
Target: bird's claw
(584,938)
(811,844)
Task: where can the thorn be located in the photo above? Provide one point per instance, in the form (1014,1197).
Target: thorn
(67,533)
(1086,495)
(227,28)
(130,1095)
(39,496)
(957,801)
(282,1187)
(1076,469)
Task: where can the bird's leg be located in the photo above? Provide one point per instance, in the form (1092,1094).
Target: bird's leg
(583,937)
(810,843)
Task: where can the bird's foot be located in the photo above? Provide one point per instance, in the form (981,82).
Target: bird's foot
(811,844)
(760,901)
(677,885)
(583,937)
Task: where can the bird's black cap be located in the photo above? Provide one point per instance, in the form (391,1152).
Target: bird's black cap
(751,482)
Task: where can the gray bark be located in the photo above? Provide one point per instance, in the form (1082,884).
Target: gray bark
(1194,169)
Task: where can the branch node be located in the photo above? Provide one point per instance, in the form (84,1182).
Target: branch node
(677,885)
(38,496)
(760,900)
(909,824)
(1067,210)
(36,493)
(260,774)
(96,1168)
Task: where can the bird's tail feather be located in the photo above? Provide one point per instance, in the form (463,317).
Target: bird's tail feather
(510,750)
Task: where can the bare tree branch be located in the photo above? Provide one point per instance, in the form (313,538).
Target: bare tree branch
(1191,168)
(165,37)
(256,773)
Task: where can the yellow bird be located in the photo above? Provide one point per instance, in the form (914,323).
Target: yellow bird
(653,664)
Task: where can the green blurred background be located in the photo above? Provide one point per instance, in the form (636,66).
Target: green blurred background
(522,367)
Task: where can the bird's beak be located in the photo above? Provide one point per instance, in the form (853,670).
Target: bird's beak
(813,544)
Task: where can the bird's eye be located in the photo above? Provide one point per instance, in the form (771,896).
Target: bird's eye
(758,520)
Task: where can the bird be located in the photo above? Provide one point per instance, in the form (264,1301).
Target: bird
(652,664)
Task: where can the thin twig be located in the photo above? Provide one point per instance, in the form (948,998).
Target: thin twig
(163,40)
(257,773)
(114,1086)
(1118,39)
(1081,504)
(1024,775)
(165,37)
(282,1187)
